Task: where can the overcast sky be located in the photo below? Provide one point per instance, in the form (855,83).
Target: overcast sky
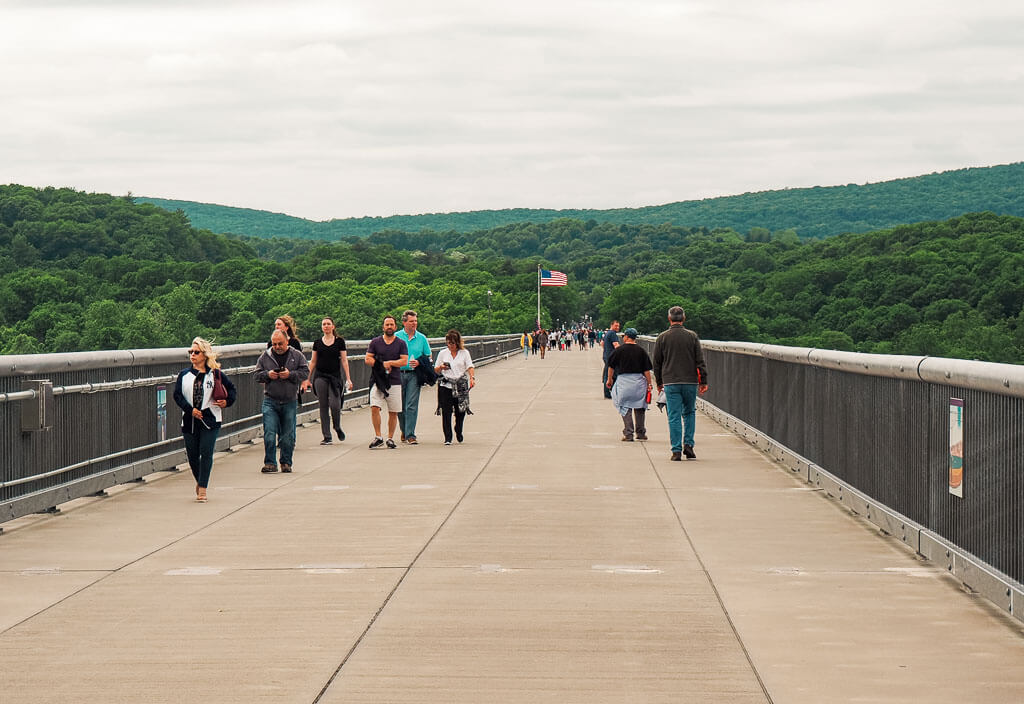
(348,108)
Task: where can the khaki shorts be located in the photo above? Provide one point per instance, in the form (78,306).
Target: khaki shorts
(392,402)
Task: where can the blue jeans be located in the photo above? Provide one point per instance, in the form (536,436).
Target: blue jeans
(278,429)
(604,380)
(410,404)
(199,447)
(681,401)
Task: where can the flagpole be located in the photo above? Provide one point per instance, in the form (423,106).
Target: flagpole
(538,297)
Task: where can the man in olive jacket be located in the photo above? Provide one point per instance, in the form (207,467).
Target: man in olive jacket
(680,371)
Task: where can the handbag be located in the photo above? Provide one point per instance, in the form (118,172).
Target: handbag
(220,392)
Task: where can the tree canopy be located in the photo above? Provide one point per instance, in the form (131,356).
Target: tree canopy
(92,271)
(807,213)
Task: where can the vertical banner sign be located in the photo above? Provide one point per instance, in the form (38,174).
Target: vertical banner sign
(161,413)
(956,447)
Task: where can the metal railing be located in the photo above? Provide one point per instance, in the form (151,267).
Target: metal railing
(105,418)
(873,431)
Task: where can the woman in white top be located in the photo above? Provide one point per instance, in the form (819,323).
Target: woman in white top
(457,377)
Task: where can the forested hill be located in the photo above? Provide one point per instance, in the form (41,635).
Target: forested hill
(812,212)
(90,271)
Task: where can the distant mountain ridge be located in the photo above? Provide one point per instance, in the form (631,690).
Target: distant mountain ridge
(815,212)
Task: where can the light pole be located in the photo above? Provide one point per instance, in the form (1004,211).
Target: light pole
(488,312)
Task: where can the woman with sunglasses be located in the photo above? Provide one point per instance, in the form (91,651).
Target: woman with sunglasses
(201,412)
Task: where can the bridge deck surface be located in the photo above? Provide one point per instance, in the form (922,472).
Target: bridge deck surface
(542,560)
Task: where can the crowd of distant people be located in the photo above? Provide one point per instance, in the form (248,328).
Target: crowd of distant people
(539,341)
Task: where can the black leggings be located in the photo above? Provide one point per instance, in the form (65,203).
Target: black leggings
(449,404)
(331,395)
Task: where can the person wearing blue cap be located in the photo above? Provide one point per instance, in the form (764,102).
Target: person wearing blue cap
(629,378)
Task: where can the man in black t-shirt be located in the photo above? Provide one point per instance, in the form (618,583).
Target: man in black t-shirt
(629,377)
(391,354)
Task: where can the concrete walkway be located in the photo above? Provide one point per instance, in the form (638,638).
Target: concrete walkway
(543,560)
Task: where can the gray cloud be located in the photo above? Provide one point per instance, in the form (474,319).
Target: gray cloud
(326,110)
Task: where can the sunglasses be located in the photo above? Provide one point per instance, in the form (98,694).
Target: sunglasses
(191,352)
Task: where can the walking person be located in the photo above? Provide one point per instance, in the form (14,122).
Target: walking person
(629,378)
(455,367)
(418,348)
(281,369)
(330,359)
(386,355)
(611,341)
(202,392)
(542,341)
(679,370)
(525,342)
(286,324)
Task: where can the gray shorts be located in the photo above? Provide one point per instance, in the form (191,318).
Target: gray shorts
(392,403)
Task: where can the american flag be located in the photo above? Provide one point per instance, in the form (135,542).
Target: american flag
(553,278)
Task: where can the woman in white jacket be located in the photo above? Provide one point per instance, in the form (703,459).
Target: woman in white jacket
(457,377)
(201,413)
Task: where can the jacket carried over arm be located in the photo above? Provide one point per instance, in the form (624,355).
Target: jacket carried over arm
(380,377)
(425,374)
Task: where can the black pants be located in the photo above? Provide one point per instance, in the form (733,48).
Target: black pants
(449,404)
(199,448)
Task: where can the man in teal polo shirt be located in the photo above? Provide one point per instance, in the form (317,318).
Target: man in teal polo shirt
(418,347)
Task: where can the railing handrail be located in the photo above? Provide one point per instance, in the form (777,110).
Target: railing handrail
(52,362)
(994,377)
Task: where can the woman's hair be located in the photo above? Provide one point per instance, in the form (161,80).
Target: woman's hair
(289,324)
(454,338)
(207,348)
(327,317)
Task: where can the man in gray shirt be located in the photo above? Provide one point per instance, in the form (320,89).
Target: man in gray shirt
(280,369)
(680,371)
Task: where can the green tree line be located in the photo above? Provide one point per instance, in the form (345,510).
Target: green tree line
(89,271)
(811,212)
